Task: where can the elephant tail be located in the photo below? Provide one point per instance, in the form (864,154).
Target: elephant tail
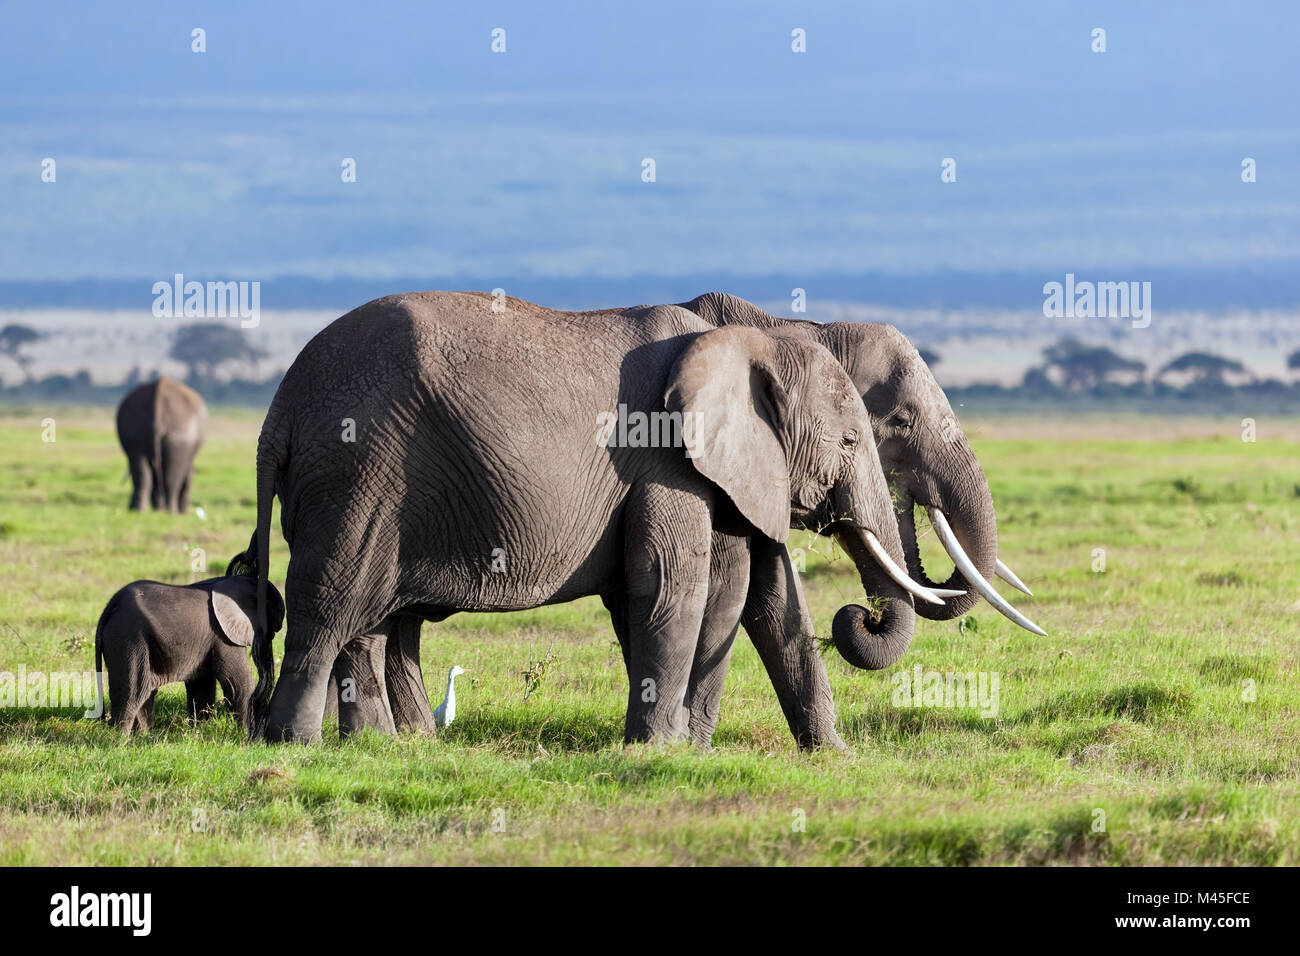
(270,463)
(99,657)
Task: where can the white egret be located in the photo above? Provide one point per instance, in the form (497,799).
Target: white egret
(445,712)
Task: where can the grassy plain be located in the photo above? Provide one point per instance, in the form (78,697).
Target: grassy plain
(1134,713)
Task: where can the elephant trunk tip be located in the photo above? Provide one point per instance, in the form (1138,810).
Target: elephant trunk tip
(866,639)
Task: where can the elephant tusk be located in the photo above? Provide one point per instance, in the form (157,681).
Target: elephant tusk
(1006,574)
(899,575)
(971,573)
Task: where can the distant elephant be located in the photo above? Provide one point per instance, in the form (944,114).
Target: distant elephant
(161,426)
(434,455)
(927,461)
(151,634)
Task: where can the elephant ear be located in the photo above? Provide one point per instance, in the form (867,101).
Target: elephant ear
(236,626)
(733,408)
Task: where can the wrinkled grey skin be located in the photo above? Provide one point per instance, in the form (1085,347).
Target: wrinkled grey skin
(151,634)
(161,426)
(927,460)
(476,431)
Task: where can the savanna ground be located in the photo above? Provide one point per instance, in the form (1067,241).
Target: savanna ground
(1136,706)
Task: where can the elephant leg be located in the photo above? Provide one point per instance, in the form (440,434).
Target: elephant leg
(172,467)
(616,604)
(667,538)
(183,500)
(158,495)
(141,481)
(332,698)
(201,693)
(777,620)
(128,688)
(407,698)
(236,683)
(363,700)
(729,569)
(298,701)
(178,465)
(144,714)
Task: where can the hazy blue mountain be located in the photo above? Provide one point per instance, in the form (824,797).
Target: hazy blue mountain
(774,169)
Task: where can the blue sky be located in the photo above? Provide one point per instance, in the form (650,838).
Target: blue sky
(482,166)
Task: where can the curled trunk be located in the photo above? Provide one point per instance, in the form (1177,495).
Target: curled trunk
(873,638)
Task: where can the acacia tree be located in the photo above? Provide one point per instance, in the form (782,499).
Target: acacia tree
(1205,368)
(1293,360)
(929,357)
(204,346)
(1085,366)
(13,339)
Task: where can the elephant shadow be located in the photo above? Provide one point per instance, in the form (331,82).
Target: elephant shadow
(1141,703)
(70,724)
(525,729)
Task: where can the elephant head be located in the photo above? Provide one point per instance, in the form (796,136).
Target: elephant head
(776,423)
(924,454)
(929,462)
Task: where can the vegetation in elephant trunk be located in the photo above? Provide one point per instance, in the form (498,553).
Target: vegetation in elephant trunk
(872,638)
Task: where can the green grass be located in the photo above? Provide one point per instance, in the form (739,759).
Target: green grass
(1132,707)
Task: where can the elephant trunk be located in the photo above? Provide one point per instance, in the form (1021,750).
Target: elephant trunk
(876,638)
(968,505)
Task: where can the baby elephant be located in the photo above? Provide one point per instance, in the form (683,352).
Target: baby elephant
(153,634)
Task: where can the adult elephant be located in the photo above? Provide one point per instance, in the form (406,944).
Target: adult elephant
(928,462)
(161,426)
(434,456)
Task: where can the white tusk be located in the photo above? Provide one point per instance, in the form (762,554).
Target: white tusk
(972,575)
(898,574)
(1006,574)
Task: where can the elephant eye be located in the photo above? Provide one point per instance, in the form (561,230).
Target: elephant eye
(849,440)
(901,420)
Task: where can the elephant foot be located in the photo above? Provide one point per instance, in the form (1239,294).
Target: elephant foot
(822,740)
(668,729)
(701,730)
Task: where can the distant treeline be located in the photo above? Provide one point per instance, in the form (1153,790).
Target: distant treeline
(1073,374)
(1078,375)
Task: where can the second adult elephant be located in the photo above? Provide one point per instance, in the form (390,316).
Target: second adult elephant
(432,456)
(161,426)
